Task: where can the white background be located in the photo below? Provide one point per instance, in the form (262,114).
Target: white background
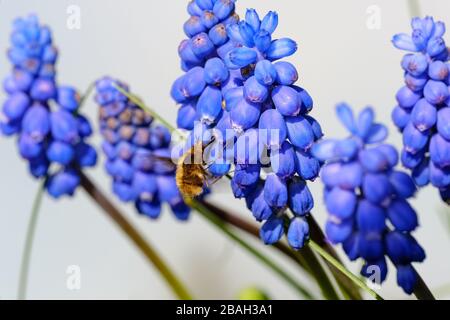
(339,58)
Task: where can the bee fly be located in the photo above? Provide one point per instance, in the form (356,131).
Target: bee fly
(191,172)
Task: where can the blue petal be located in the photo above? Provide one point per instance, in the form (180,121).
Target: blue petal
(306,165)
(338,232)
(252,18)
(370,217)
(406,278)
(201,45)
(389,152)
(36,122)
(300,198)
(400,117)
(421,174)
(247,34)
(245,115)
(167,188)
(440,151)
(341,203)
(286,73)
(258,205)
(64,126)
(254,91)
(376,271)
(273,125)
(377,133)
(241,57)
(300,132)
(325,150)
(402,216)
(403,184)
(63,183)
(283,160)
(210,104)
(151,209)
(373,160)
(365,122)
(270,22)
(350,247)
(436,92)
(345,114)
(223,8)
(265,72)
(60,152)
(246,175)
(404,42)
(249,148)
(407,98)
(443,123)
(180,209)
(144,185)
(286,100)
(275,191)
(298,233)
(28,147)
(272,230)
(281,48)
(85,155)
(376,187)
(68,98)
(439,177)
(16,105)
(371,246)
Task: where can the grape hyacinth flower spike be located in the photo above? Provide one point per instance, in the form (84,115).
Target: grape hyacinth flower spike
(43,115)
(251,103)
(199,89)
(138,154)
(423,113)
(367,199)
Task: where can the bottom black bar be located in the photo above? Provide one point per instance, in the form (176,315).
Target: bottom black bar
(156,309)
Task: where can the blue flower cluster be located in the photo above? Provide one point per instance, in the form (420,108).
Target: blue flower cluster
(423,113)
(244,93)
(205,71)
(367,199)
(45,136)
(138,153)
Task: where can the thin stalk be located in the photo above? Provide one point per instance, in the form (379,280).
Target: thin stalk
(414,8)
(317,248)
(26,254)
(86,94)
(150,253)
(206,213)
(421,291)
(304,258)
(347,287)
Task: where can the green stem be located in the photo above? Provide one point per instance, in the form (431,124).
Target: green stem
(314,246)
(348,288)
(305,258)
(206,213)
(414,8)
(151,254)
(26,254)
(86,94)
